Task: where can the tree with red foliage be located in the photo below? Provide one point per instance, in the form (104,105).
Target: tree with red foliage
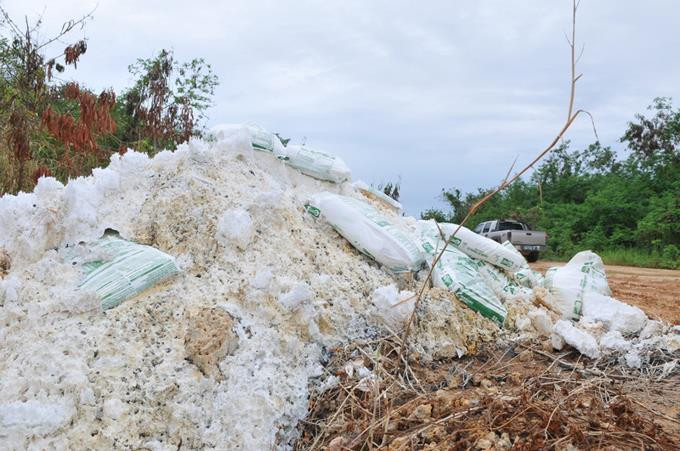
(26,96)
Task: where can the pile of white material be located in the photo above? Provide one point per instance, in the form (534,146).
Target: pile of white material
(231,214)
(234,221)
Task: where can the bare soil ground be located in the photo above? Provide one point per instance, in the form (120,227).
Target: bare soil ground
(656,291)
(508,396)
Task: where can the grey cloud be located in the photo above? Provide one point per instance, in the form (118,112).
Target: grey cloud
(440,93)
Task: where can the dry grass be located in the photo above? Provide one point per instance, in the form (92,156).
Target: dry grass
(511,396)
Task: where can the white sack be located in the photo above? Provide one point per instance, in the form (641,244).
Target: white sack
(482,248)
(525,276)
(316,163)
(368,230)
(458,273)
(260,139)
(504,287)
(568,285)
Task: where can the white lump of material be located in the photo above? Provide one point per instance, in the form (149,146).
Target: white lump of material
(394,307)
(614,341)
(653,328)
(541,321)
(297,295)
(564,331)
(235,227)
(614,314)
(33,415)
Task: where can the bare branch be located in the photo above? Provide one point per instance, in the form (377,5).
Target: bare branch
(512,166)
(592,121)
(583,47)
(571,117)
(68,27)
(8,19)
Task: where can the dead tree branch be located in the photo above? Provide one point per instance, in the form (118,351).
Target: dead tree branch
(507,181)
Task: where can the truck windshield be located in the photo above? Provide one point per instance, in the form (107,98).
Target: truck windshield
(510,225)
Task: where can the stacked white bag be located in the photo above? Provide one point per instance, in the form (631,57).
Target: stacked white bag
(316,163)
(483,248)
(260,139)
(459,273)
(368,230)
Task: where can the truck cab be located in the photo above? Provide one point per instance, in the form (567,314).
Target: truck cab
(529,242)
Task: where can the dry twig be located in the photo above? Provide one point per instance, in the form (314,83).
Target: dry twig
(507,181)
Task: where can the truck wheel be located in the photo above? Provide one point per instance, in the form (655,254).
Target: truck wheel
(532,257)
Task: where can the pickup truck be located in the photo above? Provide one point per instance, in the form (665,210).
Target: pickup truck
(529,242)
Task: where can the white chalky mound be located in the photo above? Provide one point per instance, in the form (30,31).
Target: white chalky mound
(235,223)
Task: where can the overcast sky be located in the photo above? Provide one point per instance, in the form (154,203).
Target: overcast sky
(437,93)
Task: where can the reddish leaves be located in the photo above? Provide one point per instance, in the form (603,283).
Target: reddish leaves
(80,134)
(17,137)
(72,52)
(42,171)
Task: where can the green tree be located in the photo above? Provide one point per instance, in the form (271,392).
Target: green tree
(167,103)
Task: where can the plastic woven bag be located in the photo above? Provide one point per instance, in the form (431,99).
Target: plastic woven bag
(316,163)
(368,230)
(459,273)
(128,269)
(568,285)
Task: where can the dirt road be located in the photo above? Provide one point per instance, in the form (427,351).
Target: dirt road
(656,291)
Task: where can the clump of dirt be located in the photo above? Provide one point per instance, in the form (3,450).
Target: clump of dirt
(513,396)
(447,328)
(209,337)
(5,262)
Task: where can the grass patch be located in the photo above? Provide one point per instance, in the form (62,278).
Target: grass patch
(636,257)
(625,257)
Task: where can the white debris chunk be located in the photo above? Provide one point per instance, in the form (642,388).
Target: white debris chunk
(615,314)
(541,321)
(394,307)
(262,279)
(582,341)
(524,324)
(653,328)
(633,359)
(557,342)
(614,341)
(40,416)
(87,397)
(235,227)
(115,408)
(294,298)
(9,290)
